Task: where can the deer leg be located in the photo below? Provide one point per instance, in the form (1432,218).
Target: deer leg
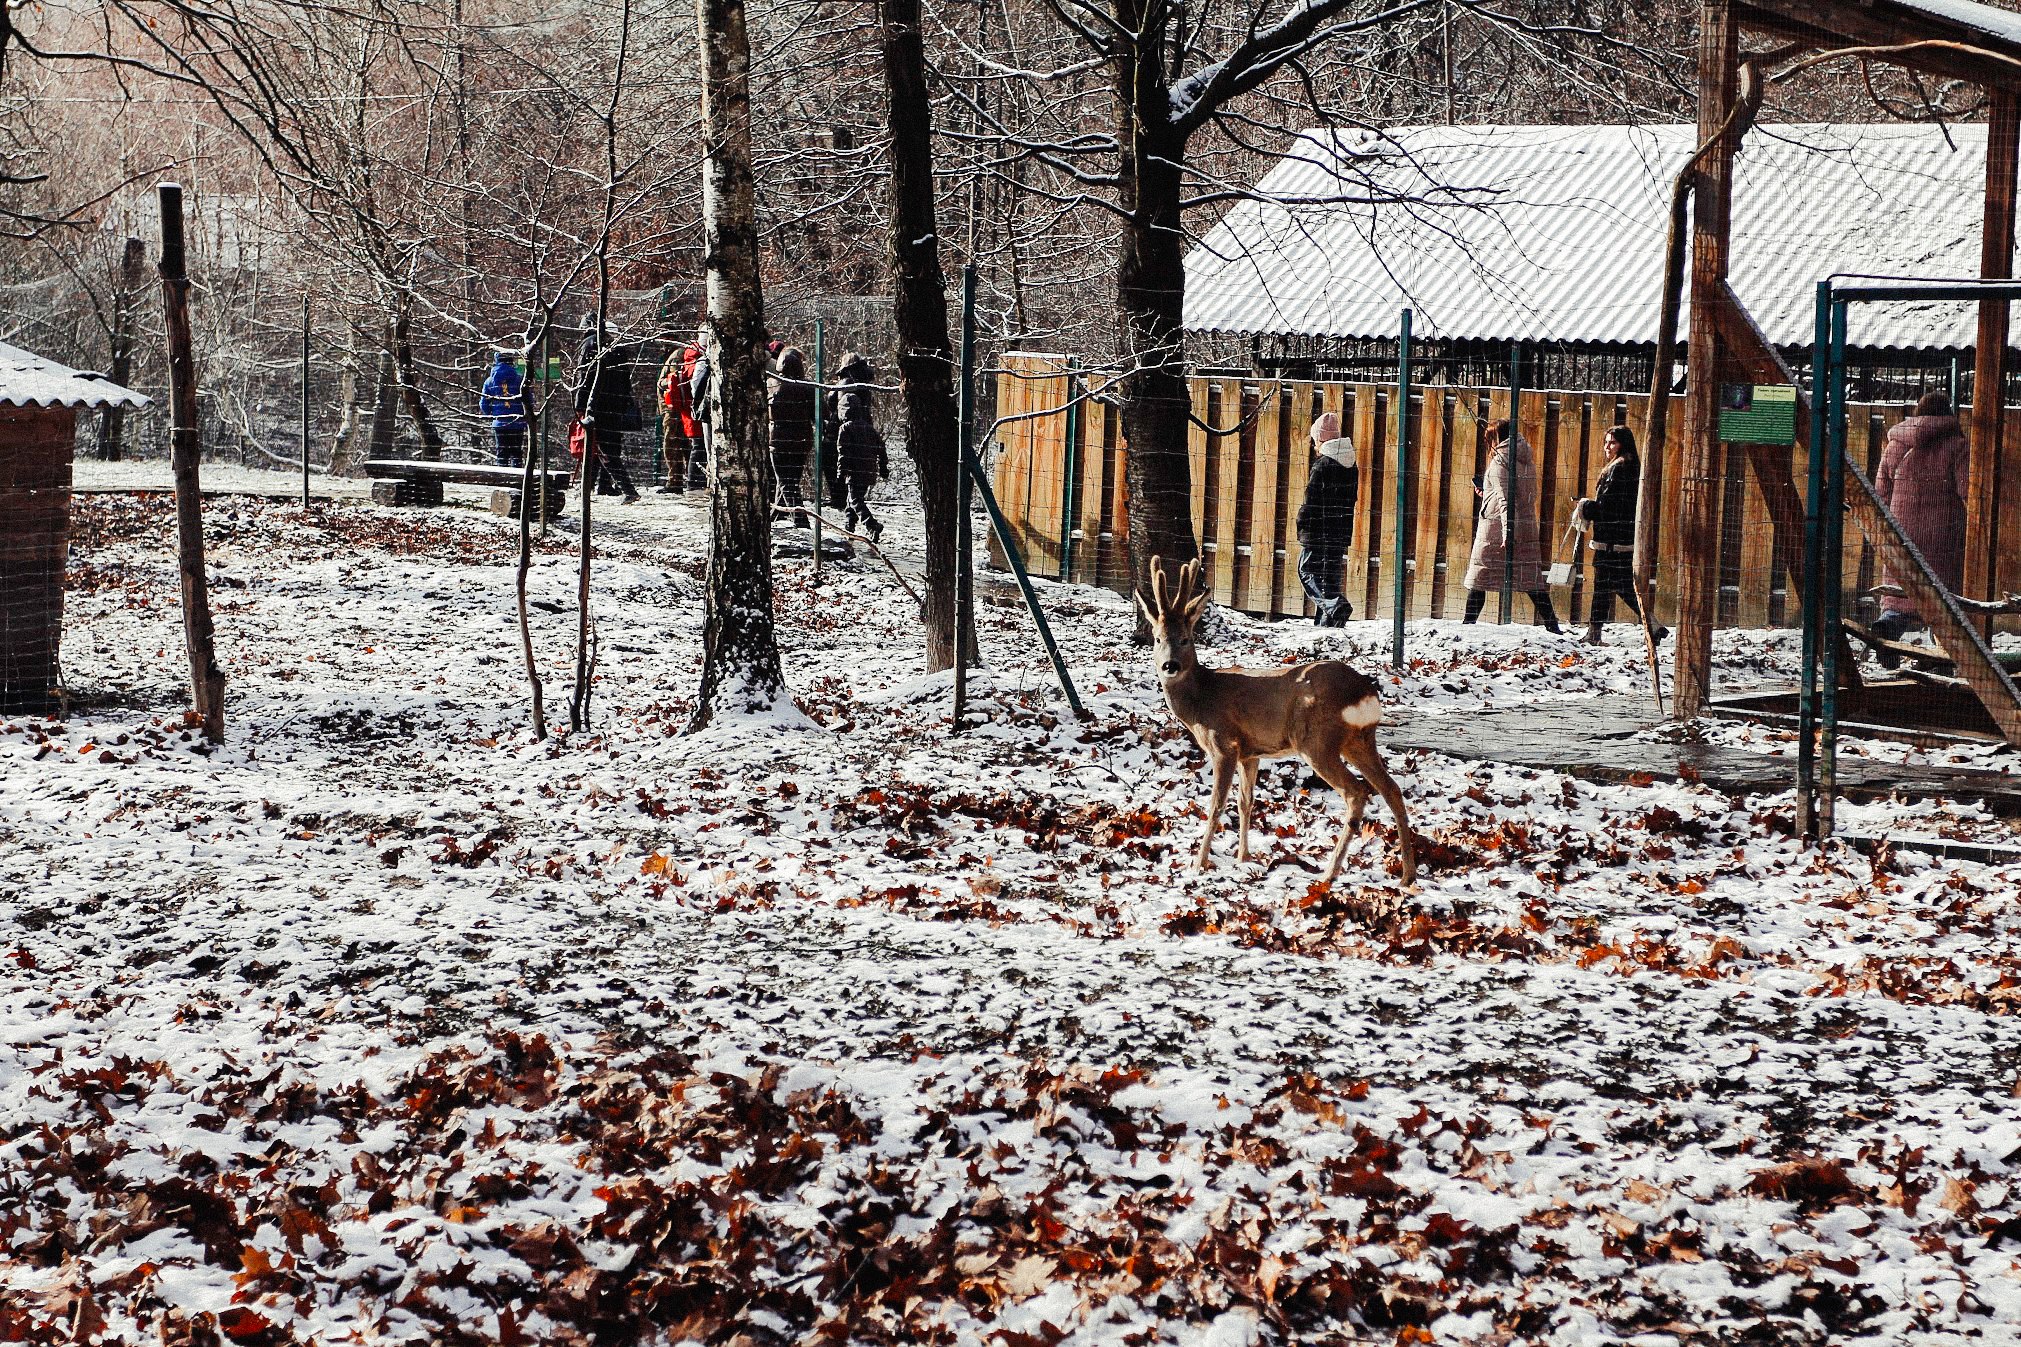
(1224,772)
(1362,753)
(1333,770)
(1245,806)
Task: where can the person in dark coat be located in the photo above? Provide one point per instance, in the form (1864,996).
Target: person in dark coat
(860,455)
(1924,474)
(791,418)
(605,406)
(504,401)
(1610,515)
(1326,521)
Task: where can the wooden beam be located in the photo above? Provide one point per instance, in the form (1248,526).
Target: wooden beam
(1700,484)
(1825,25)
(1989,369)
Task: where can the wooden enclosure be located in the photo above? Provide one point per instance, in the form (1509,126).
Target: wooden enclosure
(35,451)
(1059,476)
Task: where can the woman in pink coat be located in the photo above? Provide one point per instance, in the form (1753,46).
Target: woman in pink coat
(1924,470)
(1484,567)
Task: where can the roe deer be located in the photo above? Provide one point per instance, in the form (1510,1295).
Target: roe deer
(1323,712)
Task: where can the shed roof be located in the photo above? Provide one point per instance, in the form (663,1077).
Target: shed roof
(28,380)
(1556,233)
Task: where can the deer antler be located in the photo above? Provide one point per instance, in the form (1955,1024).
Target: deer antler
(1158,605)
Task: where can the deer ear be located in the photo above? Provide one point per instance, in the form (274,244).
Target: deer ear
(1149,617)
(1194,607)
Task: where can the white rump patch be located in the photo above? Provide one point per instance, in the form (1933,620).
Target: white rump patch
(1360,715)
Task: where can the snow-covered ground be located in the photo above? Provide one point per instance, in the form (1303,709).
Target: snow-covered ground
(384,1023)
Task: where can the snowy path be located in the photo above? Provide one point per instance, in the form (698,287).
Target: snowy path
(382,1023)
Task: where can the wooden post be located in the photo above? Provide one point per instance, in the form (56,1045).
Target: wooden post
(206,679)
(1700,484)
(1989,370)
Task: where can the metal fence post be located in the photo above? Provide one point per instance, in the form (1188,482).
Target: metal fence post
(820,436)
(964,542)
(1508,605)
(1070,488)
(1832,572)
(305,400)
(1813,561)
(1401,460)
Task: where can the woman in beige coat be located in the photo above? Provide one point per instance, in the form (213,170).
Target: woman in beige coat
(1485,567)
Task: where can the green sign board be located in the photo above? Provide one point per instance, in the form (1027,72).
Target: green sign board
(1757,413)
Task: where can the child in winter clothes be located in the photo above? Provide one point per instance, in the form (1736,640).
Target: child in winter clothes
(1326,521)
(860,457)
(504,401)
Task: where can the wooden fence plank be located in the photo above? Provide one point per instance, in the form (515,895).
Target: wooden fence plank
(1757,549)
(1196,455)
(1295,468)
(1430,452)
(1227,449)
(1088,516)
(1357,575)
(2006,567)
(1383,602)
(1463,500)
(1266,501)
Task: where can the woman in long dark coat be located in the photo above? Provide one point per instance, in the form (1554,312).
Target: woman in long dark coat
(792,430)
(1611,514)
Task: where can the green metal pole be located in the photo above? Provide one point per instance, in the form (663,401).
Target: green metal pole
(964,543)
(1069,489)
(1401,459)
(1508,606)
(1813,561)
(820,437)
(1017,564)
(1832,573)
(305,400)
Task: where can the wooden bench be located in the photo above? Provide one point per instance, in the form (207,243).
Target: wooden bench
(417,481)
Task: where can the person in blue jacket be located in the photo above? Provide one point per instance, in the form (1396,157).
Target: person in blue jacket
(504,401)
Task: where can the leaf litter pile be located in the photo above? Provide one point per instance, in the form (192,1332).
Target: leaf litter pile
(383,1024)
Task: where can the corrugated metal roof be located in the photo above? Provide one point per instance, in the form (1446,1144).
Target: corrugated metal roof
(1548,233)
(28,380)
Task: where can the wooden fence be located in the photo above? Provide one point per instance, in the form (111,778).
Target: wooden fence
(1059,475)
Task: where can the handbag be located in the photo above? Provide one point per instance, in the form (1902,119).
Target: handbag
(1560,573)
(578,438)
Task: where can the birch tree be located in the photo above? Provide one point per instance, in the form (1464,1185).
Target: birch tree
(740,652)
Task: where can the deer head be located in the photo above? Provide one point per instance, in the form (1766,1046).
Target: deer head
(1171,616)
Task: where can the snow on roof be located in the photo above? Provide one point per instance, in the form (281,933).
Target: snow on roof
(1556,233)
(28,380)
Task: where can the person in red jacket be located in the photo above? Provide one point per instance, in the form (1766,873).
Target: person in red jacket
(680,432)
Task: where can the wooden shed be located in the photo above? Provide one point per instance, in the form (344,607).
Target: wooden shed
(39,402)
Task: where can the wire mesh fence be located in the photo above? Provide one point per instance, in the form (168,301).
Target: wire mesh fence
(1060,471)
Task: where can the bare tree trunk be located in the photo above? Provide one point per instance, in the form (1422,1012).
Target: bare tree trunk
(530,501)
(410,382)
(919,303)
(344,444)
(112,421)
(1150,295)
(207,680)
(740,651)
(385,401)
